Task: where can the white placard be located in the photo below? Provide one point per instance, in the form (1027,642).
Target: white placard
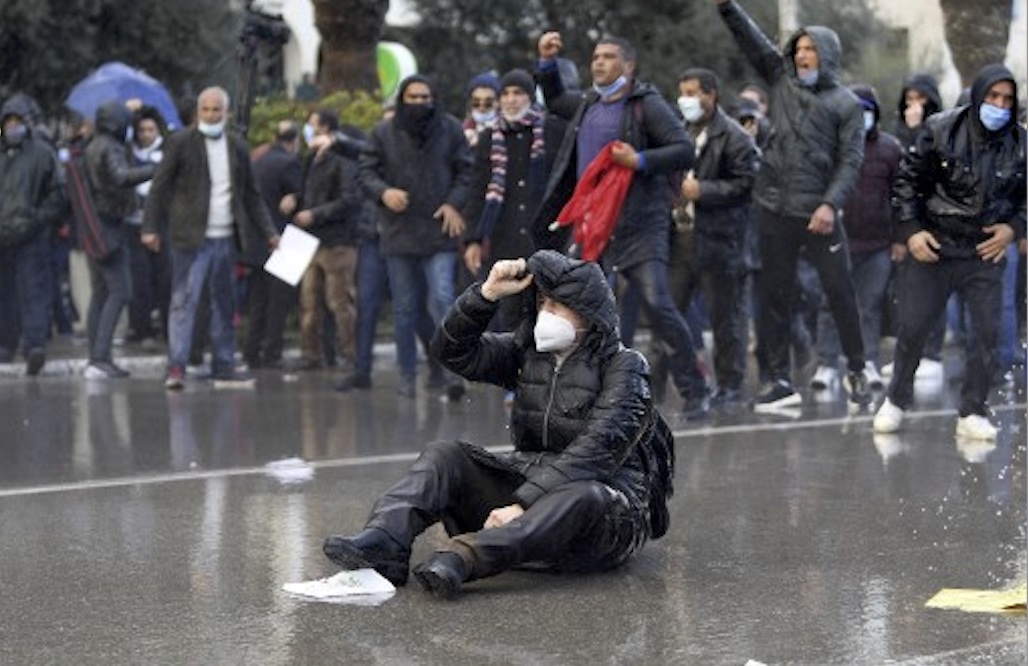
(290,260)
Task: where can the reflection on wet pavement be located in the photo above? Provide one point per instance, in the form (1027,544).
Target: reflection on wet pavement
(141,525)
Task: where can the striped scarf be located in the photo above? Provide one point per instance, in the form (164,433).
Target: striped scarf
(497,187)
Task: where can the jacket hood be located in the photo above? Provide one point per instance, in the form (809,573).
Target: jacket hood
(580,285)
(924,84)
(113,118)
(829,53)
(987,76)
(414,78)
(24,107)
(868,97)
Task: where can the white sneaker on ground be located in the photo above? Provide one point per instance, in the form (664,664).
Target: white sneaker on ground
(824,377)
(93,372)
(976,426)
(888,418)
(874,380)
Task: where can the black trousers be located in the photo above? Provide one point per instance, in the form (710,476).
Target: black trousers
(580,526)
(269,303)
(780,243)
(923,292)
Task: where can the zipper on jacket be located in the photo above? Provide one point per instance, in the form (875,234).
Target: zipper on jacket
(549,405)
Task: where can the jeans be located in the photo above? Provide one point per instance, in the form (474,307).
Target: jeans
(870,278)
(780,243)
(111,280)
(923,292)
(25,280)
(1009,345)
(212,265)
(412,278)
(650,278)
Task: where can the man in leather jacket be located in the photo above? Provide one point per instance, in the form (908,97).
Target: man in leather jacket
(587,482)
(961,196)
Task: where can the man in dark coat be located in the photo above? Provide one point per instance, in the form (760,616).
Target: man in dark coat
(512,164)
(31,202)
(716,192)
(112,179)
(205,196)
(652,142)
(808,171)
(961,196)
(588,480)
(417,168)
(278,174)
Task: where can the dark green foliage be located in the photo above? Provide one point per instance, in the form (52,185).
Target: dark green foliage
(46,46)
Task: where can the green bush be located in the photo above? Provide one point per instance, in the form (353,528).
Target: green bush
(360,109)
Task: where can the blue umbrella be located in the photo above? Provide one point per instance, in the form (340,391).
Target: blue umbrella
(117,82)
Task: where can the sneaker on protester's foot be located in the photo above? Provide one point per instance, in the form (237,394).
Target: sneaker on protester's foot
(976,426)
(888,418)
(776,395)
(874,379)
(175,379)
(36,360)
(856,386)
(104,370)
(823,377)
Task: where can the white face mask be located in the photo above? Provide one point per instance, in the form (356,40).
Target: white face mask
(869,120)
(553,333)
(483,117)
(690,108)
(308,133)
(211,130)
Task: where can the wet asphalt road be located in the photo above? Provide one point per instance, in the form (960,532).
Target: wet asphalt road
(141,526)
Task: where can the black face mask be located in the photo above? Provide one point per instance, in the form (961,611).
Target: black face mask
(416,119)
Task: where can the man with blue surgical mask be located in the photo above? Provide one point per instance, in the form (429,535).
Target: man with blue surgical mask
(202,199)
(808,172)
(961,196)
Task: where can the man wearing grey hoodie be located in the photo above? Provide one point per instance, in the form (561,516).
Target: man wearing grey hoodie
(810,168)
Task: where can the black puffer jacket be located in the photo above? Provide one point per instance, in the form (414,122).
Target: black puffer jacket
(590,418)
(652,128)
(814,153)
(31,183)
(112,173)
(958,177)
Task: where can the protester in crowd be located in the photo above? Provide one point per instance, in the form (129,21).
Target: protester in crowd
(418,167)
(961,193)
(112,179)
(32,202)
(278,174)
(328,207)
(483,98)
(715,197)
(651,142)
(151,271)
(870,230)
(807,173)
(204,195)
(512,164)
(587,483)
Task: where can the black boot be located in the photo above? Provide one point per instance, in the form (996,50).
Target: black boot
(370,548)
(442,574)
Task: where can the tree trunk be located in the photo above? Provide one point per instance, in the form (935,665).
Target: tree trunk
(350,30)
(977,32)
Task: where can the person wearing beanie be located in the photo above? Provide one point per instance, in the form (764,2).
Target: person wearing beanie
(483,92)
(869,229)
(512,164)
(587,482)
(961,197)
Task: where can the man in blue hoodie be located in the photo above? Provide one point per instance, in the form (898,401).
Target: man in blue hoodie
(961,196)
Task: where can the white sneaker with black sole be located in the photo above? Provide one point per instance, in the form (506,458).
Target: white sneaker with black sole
(777,395)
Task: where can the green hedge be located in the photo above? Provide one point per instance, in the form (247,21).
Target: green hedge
(360,109)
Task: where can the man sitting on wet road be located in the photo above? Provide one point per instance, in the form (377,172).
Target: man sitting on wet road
(590,474)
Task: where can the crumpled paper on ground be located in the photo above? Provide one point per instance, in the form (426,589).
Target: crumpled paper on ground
(982,601)
(361,587)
